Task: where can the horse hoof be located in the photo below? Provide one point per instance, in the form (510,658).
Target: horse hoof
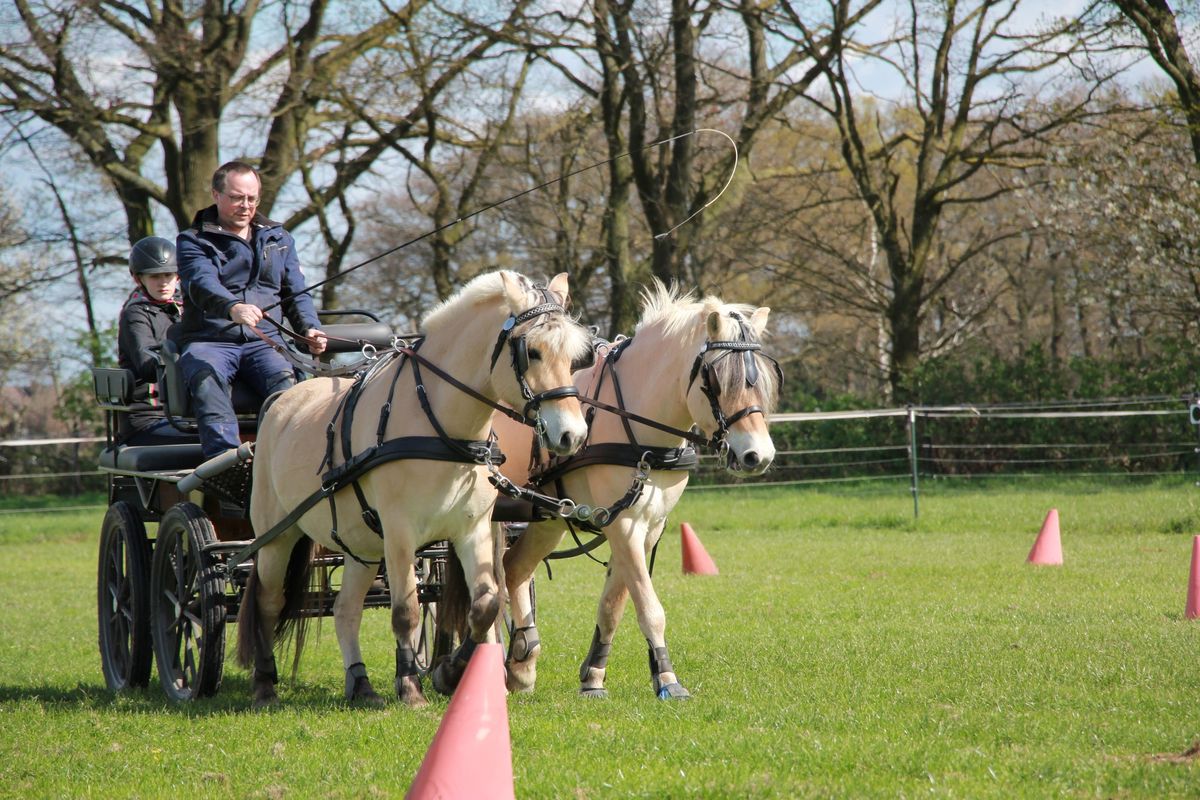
(445,678)
(409,691)
(367,699)
(265,697)
(519,680)
(363,694)
(673,691)
(594,693)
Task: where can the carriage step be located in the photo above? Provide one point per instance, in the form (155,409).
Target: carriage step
(217,465)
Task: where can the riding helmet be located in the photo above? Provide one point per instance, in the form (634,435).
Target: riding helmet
(153,255)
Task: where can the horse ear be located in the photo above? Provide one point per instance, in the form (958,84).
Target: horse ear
(714,325)
(560,286)
(514,293)
(758,321)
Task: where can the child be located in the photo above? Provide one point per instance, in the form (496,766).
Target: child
(150,309)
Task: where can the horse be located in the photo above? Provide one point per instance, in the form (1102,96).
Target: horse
(688,363)
(417,467)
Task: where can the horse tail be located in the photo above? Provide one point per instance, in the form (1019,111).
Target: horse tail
(454,607)
(455,602)
(247,621)
(292,625)
(301,601)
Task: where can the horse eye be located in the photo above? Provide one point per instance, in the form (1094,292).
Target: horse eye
(535,354)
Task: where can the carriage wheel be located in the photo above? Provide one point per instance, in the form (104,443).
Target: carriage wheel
(432,644)
(187,606)
(123,598)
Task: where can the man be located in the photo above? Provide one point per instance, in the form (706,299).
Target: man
(237,267)
(149,311)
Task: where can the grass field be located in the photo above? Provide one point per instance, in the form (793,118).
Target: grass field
(845,650)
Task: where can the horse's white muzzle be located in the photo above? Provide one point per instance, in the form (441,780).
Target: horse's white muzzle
(749,454)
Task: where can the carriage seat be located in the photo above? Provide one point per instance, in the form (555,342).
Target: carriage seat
(113,389)
(152,458)
(349,337)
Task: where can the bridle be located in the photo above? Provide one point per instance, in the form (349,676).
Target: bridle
(519,353)
(710,386)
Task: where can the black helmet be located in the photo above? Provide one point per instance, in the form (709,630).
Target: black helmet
(153,255)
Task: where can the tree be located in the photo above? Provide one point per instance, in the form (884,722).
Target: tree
(657,72)
(198,82)
(971,77)
(1160,30)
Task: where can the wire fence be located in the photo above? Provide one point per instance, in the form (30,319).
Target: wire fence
(1146,436)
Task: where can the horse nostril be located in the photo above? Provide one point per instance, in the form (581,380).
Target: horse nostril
(750,459)
(566,442)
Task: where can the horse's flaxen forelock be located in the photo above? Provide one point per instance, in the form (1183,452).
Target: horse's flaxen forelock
(558,334)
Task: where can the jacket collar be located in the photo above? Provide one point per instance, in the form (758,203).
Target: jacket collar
(205,221)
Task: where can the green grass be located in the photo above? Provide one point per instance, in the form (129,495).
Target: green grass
(845,650)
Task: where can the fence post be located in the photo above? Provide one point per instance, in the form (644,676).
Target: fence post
(912,459)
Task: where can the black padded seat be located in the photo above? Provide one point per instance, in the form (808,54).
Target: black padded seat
(156,458)
(347,337)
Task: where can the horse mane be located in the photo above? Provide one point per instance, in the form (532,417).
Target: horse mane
(555,332)
(480,289)
(678,315)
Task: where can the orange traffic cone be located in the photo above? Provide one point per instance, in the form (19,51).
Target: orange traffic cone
(471,754)
(696,560)
(1193,601)
(1048,547)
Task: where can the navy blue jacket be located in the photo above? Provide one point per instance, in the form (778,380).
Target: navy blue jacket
(218,269)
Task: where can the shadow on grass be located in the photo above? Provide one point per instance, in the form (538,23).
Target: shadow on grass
(234,697)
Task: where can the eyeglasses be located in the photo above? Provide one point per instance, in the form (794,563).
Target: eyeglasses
(241,199)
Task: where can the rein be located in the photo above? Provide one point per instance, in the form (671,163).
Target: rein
(314,366)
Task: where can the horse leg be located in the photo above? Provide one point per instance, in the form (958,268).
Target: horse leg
(608,615)
(477,552)
(347,621)
(629,561)
(406,617)
(520,562)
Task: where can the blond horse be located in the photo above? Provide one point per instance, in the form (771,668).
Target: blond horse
(689,363)
(421,494)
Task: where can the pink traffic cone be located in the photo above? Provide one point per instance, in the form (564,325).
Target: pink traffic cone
(1193,601)
(1048,547)
(471,754)
(696,560)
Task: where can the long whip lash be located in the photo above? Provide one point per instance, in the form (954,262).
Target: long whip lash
(559,179)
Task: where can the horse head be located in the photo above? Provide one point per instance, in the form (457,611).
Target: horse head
(732,386)
(543,342)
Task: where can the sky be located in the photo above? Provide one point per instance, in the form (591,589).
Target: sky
(883,82)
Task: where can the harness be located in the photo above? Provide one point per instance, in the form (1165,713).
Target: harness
(441,447)
(644,458)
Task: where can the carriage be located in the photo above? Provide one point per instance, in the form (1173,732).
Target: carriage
(168,597)
(696,366)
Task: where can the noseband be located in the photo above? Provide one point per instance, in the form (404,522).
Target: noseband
(519,352)
(711,387)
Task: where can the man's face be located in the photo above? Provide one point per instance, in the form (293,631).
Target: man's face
(237,204)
